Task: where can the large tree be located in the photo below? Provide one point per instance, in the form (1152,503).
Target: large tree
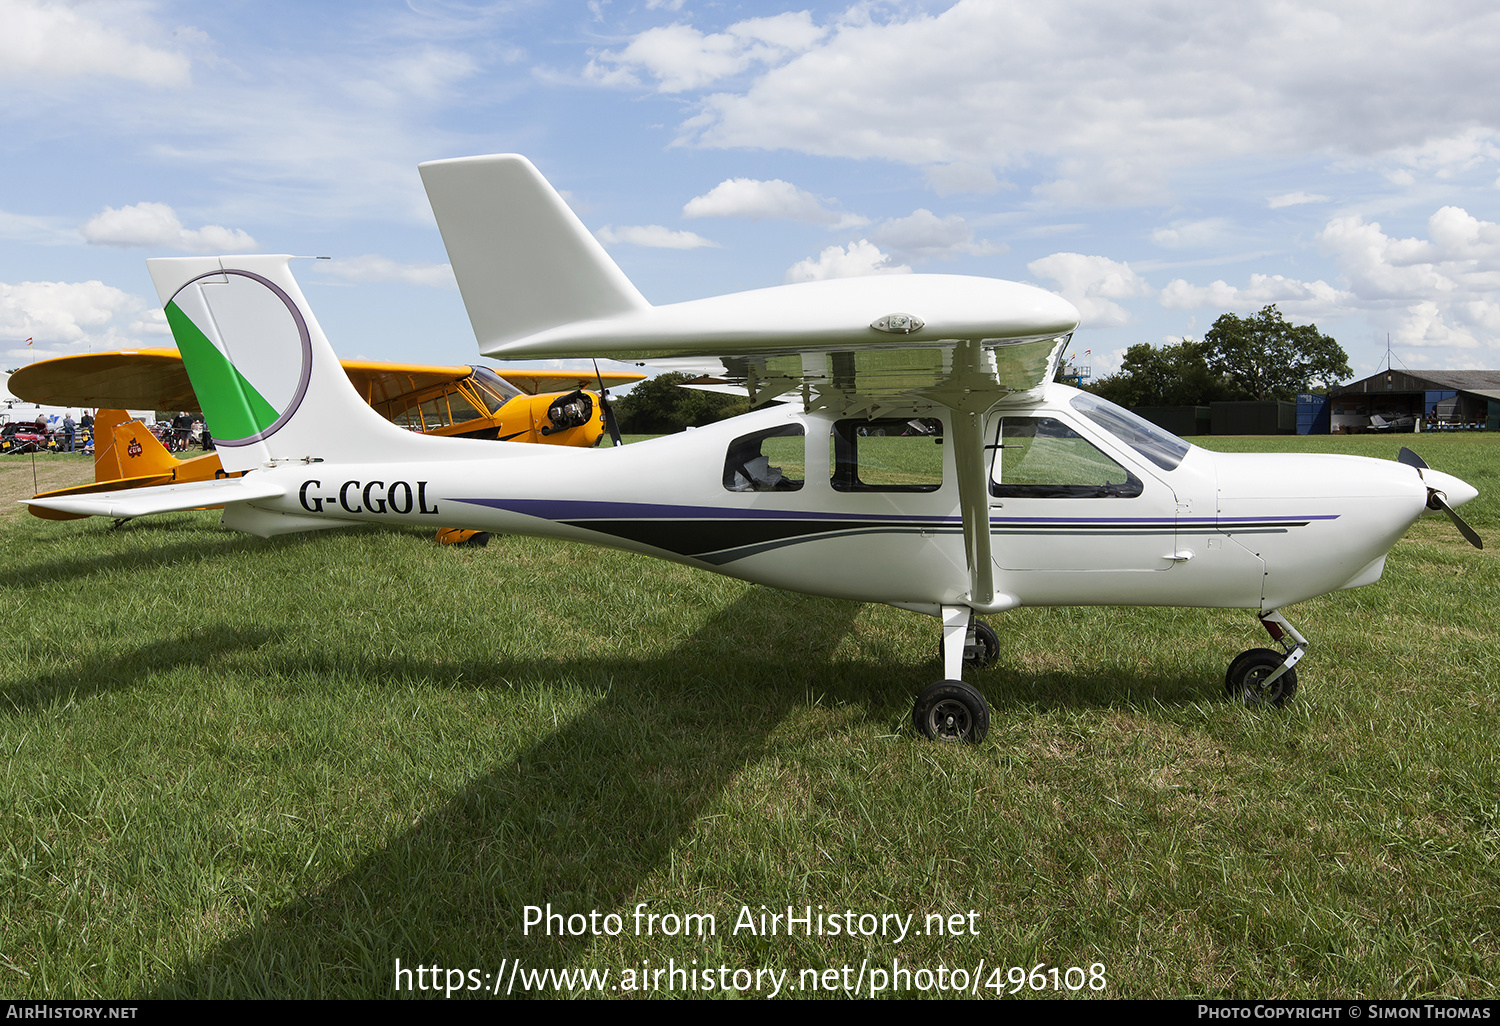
(1174,375)
(1266,357)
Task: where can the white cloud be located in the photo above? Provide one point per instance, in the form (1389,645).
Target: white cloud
(1300,298)
(1447,285)
(372,267)
(653,236)
(1090,283)
(859,259)
(1425,326)
(65,316)
(428,74)
(1438,291)
(1184,234)
(679,57)
(961,177)
(750,197)
(1293,199)
(922,235)
(156,224)
(1444,156)
(1129,94)
(48,41)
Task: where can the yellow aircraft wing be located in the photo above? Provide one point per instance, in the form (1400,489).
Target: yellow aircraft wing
(131,379)
(154,379)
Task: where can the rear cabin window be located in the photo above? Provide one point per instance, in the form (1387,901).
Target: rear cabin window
(767,461)
(887,455)
(1043,458)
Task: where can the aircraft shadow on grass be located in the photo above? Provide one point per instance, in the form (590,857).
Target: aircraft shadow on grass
(451,889)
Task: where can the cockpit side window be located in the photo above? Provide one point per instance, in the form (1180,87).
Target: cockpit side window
(1043,458)
(767,461)
(888,454)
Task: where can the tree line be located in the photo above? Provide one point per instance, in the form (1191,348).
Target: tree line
(659,406)
(1257,357)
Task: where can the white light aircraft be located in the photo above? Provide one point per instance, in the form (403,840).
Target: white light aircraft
(920,454)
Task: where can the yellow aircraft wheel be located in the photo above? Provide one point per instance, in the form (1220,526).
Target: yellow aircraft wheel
(457,536)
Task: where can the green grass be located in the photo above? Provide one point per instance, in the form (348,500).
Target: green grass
(238,768)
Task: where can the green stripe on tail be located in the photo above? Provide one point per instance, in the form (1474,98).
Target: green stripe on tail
(231,406)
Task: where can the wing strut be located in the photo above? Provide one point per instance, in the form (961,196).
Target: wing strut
(974,503)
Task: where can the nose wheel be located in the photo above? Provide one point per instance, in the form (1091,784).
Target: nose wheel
(1263,676)
(1252,678)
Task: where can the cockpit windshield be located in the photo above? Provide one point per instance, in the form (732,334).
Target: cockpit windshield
(1159,446)
(493,389)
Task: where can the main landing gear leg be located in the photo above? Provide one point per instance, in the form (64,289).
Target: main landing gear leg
(951,710)
(1263,676)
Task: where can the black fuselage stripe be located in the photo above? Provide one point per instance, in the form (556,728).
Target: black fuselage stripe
(719,541)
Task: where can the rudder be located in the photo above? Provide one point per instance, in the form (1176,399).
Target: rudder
(267,380)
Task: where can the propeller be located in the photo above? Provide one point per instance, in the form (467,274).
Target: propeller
(1437,500)
(609,409)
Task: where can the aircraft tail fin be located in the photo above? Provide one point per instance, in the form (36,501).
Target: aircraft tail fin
(124,448)
(523,260)
(269,384)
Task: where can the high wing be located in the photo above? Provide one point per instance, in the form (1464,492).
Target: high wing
(131,379)
(537,284)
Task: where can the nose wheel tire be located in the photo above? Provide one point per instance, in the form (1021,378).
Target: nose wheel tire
(951,710)
(1245,681)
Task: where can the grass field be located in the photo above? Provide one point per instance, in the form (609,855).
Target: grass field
(245,768)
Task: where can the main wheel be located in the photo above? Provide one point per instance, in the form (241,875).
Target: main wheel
(951,710)
(1245,679)
(984,650)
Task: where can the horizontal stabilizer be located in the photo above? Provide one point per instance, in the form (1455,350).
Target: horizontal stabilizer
(140,502)
(523,260)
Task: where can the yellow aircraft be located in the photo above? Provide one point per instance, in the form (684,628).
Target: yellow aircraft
(460,401)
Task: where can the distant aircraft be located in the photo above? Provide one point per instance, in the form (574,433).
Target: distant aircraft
(458,401)
(924,456)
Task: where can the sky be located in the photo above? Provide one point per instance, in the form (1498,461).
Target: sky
(1157,163)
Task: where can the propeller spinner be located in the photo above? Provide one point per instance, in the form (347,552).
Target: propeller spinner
(1439,485)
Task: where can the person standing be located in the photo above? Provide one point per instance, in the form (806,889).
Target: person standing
(69,429)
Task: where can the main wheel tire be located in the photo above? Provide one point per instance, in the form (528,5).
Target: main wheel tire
(1244,680)
(951,710)
(986,646)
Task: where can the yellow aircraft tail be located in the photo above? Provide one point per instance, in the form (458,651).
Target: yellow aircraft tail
(127,455)
(124,448)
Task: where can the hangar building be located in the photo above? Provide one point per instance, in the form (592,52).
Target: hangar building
(1408,400)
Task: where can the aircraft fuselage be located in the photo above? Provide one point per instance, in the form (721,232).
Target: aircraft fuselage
(1079,515)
